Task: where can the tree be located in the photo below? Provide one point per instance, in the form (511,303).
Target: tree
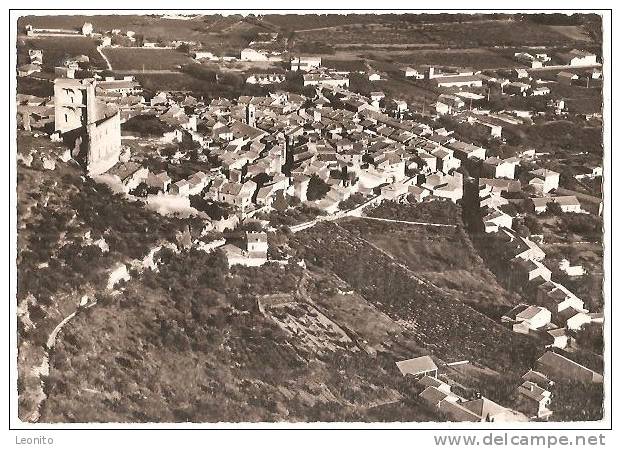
(280,202)
(554,208)
(141,190)
(147,125)
(251,226)
(533,224)
(317,188)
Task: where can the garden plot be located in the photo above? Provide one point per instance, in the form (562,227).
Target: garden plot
(316,332)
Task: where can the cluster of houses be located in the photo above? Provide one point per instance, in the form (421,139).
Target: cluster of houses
(557,313)
(533,396)
(34,65)
(342,138)
(440,395)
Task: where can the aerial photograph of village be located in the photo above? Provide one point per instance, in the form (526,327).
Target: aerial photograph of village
(299,218)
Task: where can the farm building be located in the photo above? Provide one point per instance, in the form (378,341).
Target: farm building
(458,81)
(566,78)
(556,366)
(578,58)
(409,72)
(533,400)
(305,63)
(418,367)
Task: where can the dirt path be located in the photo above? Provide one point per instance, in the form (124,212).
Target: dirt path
(42,370)
(419,223)
(105,58)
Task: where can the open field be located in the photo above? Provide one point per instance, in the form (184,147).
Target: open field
(478,58)
(56,49)
(222,34)
(579,100)
(472,34)
(372,329)
(300,22)
(145,58)
(148,26)
(574,32)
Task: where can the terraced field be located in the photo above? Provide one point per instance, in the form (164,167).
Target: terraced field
(439,320)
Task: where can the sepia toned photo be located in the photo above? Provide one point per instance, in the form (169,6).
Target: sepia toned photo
(277,217)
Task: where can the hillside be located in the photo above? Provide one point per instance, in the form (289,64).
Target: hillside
(443,256)
(72,233)
(130,357)
(442,324)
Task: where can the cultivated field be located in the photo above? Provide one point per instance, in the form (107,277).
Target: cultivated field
(315,331)
(437,319)
(138,59)
(488,33)
(479,58)
(443,256)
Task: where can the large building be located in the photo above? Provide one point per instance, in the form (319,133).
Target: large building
(85,124)
(305,63)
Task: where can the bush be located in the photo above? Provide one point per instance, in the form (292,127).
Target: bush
(352,202)
(147,125)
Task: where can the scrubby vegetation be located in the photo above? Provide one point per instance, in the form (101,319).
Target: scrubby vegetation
(146,125)
(61,216)
(180,343)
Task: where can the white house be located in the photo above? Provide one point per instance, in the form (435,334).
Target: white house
(579,58)
(550,178)
(575,270)
(533,400)
(499,168)
(409,72)
(418,367)
(532,318)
